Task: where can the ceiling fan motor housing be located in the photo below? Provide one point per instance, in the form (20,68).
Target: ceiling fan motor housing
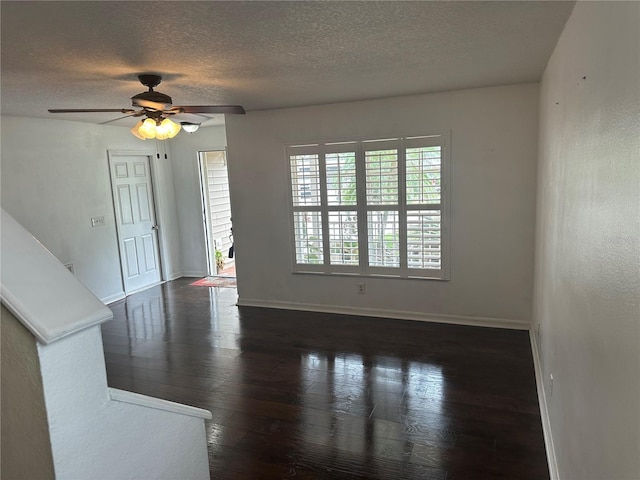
(151,80)
(151,96)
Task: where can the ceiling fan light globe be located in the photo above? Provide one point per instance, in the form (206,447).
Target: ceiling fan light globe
(167,129)
(148,128)
(174,127)
(190,127)
(135,129)
(162,133)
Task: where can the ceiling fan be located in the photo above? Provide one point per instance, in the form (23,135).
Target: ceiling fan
(157,108)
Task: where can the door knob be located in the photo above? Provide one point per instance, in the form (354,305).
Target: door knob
(155,227)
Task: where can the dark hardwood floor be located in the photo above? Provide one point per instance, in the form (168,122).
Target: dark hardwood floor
(310,395)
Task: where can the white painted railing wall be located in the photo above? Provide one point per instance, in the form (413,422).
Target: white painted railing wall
(94,431)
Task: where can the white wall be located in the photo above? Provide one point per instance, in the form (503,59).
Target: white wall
(587,282)
(94,437)
(184,159)
(494,149)
(26,448)
(78,427)
(55,177)
(167,213)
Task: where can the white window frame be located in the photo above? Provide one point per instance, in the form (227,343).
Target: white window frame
(363,269)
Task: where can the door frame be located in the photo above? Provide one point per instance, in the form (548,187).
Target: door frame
(206,214)
(160,237)
(205,208)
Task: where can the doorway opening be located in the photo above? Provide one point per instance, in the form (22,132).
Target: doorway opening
(214,182)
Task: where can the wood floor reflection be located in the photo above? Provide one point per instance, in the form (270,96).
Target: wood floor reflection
(320,396)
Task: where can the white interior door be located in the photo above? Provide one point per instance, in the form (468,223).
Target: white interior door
(135,221)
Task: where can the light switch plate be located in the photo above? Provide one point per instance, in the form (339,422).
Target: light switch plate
(97,221)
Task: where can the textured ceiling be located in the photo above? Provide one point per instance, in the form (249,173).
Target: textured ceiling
(264,54)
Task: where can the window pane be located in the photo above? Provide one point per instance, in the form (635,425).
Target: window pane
(308,237)
(343,238)
(382,177)
(341,178)
(305,179)
(384,239)
(423,175)
(424,245)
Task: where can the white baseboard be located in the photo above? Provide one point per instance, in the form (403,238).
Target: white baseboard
(395,314)
(121,295)
(193,274)
(113,298)
(146,287)
(544,412)
(174,276)
(158,404)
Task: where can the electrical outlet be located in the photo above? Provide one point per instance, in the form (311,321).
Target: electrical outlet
(551,385)
(361,288)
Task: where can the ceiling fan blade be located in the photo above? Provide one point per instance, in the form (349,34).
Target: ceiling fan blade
(119,118)
(237,109)
(199,115)
(90,110)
